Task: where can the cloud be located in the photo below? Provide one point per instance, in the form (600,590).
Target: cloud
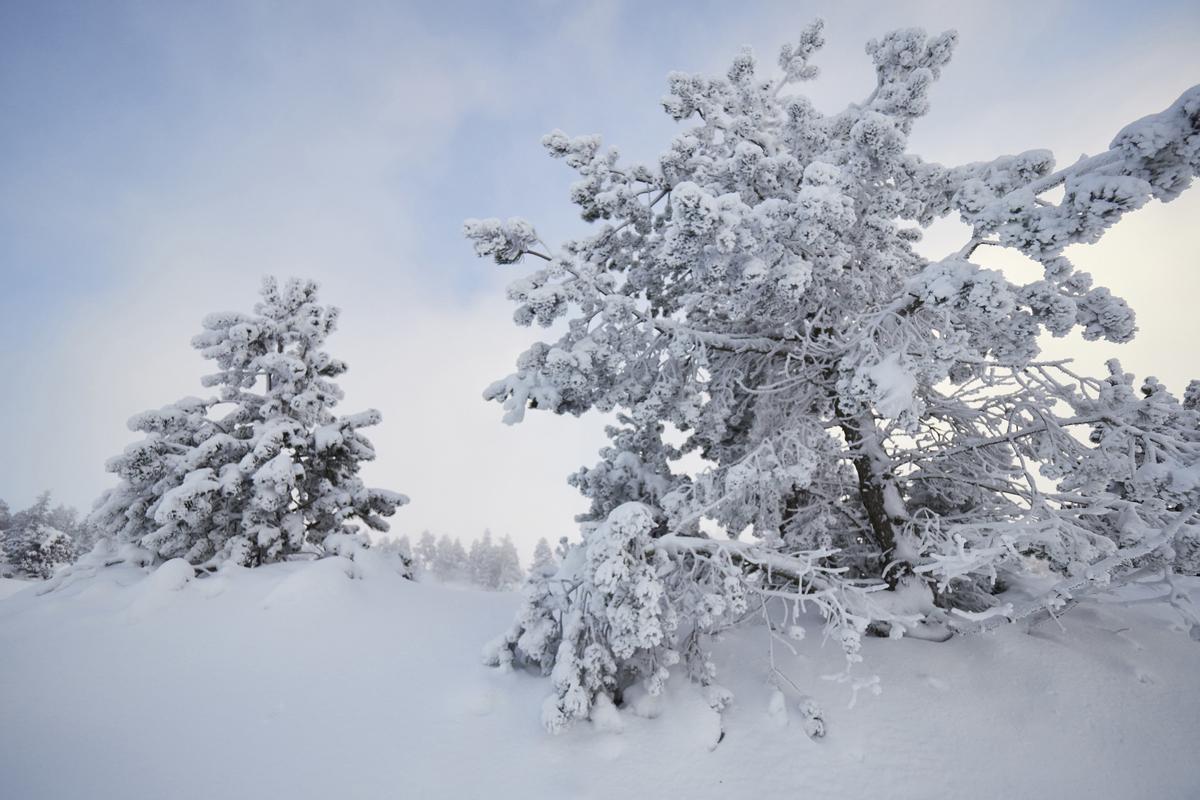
(164,158)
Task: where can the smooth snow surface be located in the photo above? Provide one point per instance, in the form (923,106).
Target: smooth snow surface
(9,586)
(299,681)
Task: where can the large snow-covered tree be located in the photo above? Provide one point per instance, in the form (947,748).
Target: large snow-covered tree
(264,469)
(881,441)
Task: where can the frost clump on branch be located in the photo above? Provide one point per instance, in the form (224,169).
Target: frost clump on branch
(881,442)
(264,470)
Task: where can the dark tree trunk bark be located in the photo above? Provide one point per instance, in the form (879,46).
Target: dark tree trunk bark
(873,485)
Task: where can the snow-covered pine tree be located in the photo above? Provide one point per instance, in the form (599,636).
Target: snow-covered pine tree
(398,548)
(38,513)
(64,518)
(457,557)
(882,442)
(33,547)
(450,562)
(399,545)
(544,562)
(506,573)
(426,552)
(264,469)
(85,535)
(45,550)
(5,524)
(481,561)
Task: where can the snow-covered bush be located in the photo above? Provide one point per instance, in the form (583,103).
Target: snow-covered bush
(32,546)
(881,441)
(264,469)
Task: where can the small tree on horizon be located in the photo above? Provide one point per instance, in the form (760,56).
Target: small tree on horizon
(266,468)
(32,545)
(544,563)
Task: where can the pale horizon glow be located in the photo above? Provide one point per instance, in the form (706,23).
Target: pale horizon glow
(158,159)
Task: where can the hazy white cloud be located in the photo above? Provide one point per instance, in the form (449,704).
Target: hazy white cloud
(347,144)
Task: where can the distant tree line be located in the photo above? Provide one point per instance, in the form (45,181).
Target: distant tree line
(484,563)
(40,539)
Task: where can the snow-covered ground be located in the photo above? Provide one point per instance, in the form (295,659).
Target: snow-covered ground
(11,586)
(296,681)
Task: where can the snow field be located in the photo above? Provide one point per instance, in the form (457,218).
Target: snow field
(298,680)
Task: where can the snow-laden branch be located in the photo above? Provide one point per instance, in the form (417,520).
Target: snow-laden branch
(1098,575)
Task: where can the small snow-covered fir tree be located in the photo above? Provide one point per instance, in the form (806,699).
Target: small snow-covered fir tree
(562,548)
(450,562)
(264,469)
(544,562)
(506,573)
(881,441)
(404,547)
(400,549)
(481,561)
(5,523)
(487,564)
(85,535)
(82,534)
(426,552)
(41,551)
(33,547)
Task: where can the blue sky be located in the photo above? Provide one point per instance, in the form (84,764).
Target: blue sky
(158,158)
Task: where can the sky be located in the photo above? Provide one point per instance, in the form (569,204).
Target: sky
(158,158)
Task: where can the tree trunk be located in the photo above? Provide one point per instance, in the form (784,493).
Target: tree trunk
(875,485)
